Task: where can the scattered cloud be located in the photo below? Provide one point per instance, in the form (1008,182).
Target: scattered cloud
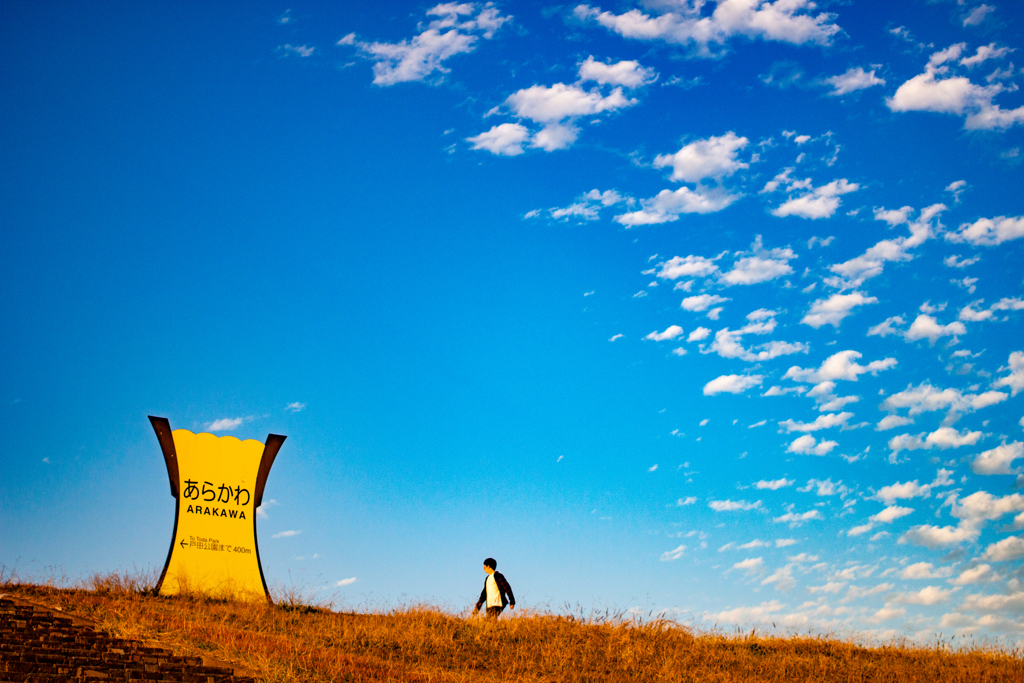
(733,505)
(732,384)
(774,484)
(839,366)
(818,202)
(672,555)
(808,445)
(854,79)
(853,273)
(833,310)
(456,30)
(788,21)
(226,424)
(671,332)
(999,460)
(937,89)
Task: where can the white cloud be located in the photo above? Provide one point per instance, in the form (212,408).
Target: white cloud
(504,139)
(456,31)
(554,136)
(969,314)
(765,265)
(295,407)
(808,445)
(702,302)
(977,15)
(820,202)
(935,537)
(929,595)
(942,438)
(764,612)
(714,157)
(779,391)
(732,384)
(825,488)
(346,582)
(615,337)
(795,519)
(551,104)
(979,574)
(671,332)
(842,365)
(733,505)
(686,266)
(786,21)
(830,587)
(994,603)
(911,489)
(890,514)
(893,421)
(854,79)
(668,205)
(973,511)
(774,484)
(886,516)
(924,327)
(672,555)
(956,261)
(225,424)
(833,310)
(936,90)
(586,208)
(286,534)
(627,73)
(298,50)
(826,421)
(983,54)
(926,398)
(858,592)
(728,344)
(698,334)
(927,327)
(1015,380)
(999,460)
(751,565)
(853,273)
(690,500)
(782,578)
(1010,548)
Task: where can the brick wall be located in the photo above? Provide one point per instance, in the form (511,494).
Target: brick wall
(38,645)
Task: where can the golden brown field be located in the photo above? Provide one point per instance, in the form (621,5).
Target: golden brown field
(296,642)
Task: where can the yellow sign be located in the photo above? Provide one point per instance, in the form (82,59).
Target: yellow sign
(218,484)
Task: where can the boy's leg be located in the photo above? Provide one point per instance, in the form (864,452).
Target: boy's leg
(493,612)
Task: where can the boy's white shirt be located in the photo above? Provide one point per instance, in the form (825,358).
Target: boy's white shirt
(493,594)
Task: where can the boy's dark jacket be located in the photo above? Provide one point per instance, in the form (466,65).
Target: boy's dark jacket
(503,589)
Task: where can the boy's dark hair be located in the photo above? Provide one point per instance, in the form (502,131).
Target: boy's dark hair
(491,562)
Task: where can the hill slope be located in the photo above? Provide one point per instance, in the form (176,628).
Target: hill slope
(293,642)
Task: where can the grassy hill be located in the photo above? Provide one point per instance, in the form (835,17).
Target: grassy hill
(295,642)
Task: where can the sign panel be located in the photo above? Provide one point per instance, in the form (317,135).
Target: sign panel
(218,484)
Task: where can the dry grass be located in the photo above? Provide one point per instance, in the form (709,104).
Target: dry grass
(293,641)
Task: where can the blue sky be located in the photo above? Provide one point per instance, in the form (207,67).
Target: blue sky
(710,308)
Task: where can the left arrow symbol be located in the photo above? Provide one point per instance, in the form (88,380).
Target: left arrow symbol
(183,544)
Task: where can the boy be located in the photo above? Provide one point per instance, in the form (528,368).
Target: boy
(495,590)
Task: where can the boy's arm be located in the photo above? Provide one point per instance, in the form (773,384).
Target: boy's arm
(483,597)
(505,588)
